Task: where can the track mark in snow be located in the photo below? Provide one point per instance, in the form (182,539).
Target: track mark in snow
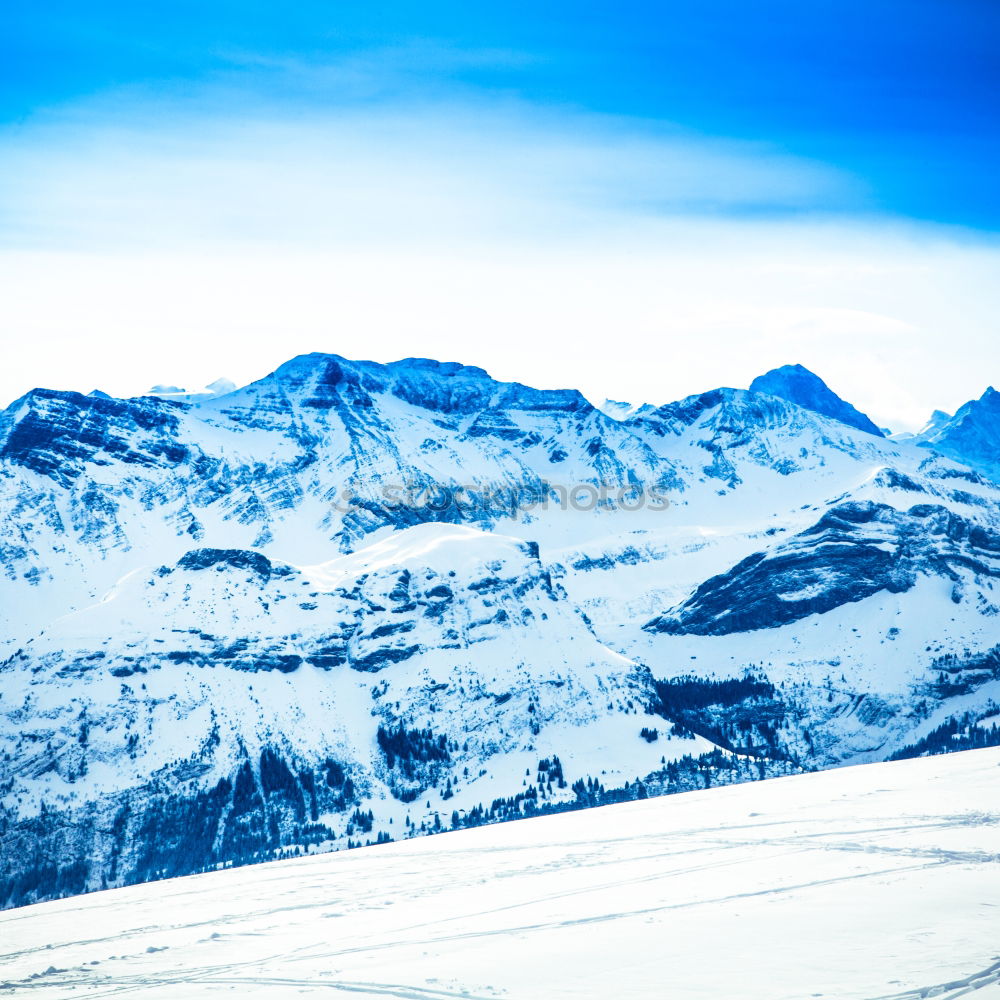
(952,990)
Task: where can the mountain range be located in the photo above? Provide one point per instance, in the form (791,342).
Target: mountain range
(354,602)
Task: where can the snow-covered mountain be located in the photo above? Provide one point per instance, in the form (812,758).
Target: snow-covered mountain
(220,387)
(355,601)
(799,385)
(971,436)
(620,410)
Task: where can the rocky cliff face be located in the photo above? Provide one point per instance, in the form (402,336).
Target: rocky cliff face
(854,551)
(355,601)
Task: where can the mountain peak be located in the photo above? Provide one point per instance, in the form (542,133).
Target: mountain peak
(445,386)
(220,387)
(972,436)
(621,410)
(319,362)
(799,385)
(447,369)
(938,420)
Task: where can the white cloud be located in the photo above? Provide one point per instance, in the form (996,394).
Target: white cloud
(420,174)
(171,243)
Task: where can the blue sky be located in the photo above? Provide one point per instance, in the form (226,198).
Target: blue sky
(768,179)
(905,94)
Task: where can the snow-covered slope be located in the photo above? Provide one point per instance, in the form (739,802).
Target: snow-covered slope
(425,674)
(869,882)
(355,600)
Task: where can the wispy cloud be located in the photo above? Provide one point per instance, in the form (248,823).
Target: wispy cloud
(333,206)
(225,165)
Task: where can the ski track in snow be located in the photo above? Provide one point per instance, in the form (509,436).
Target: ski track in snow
(879,882)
